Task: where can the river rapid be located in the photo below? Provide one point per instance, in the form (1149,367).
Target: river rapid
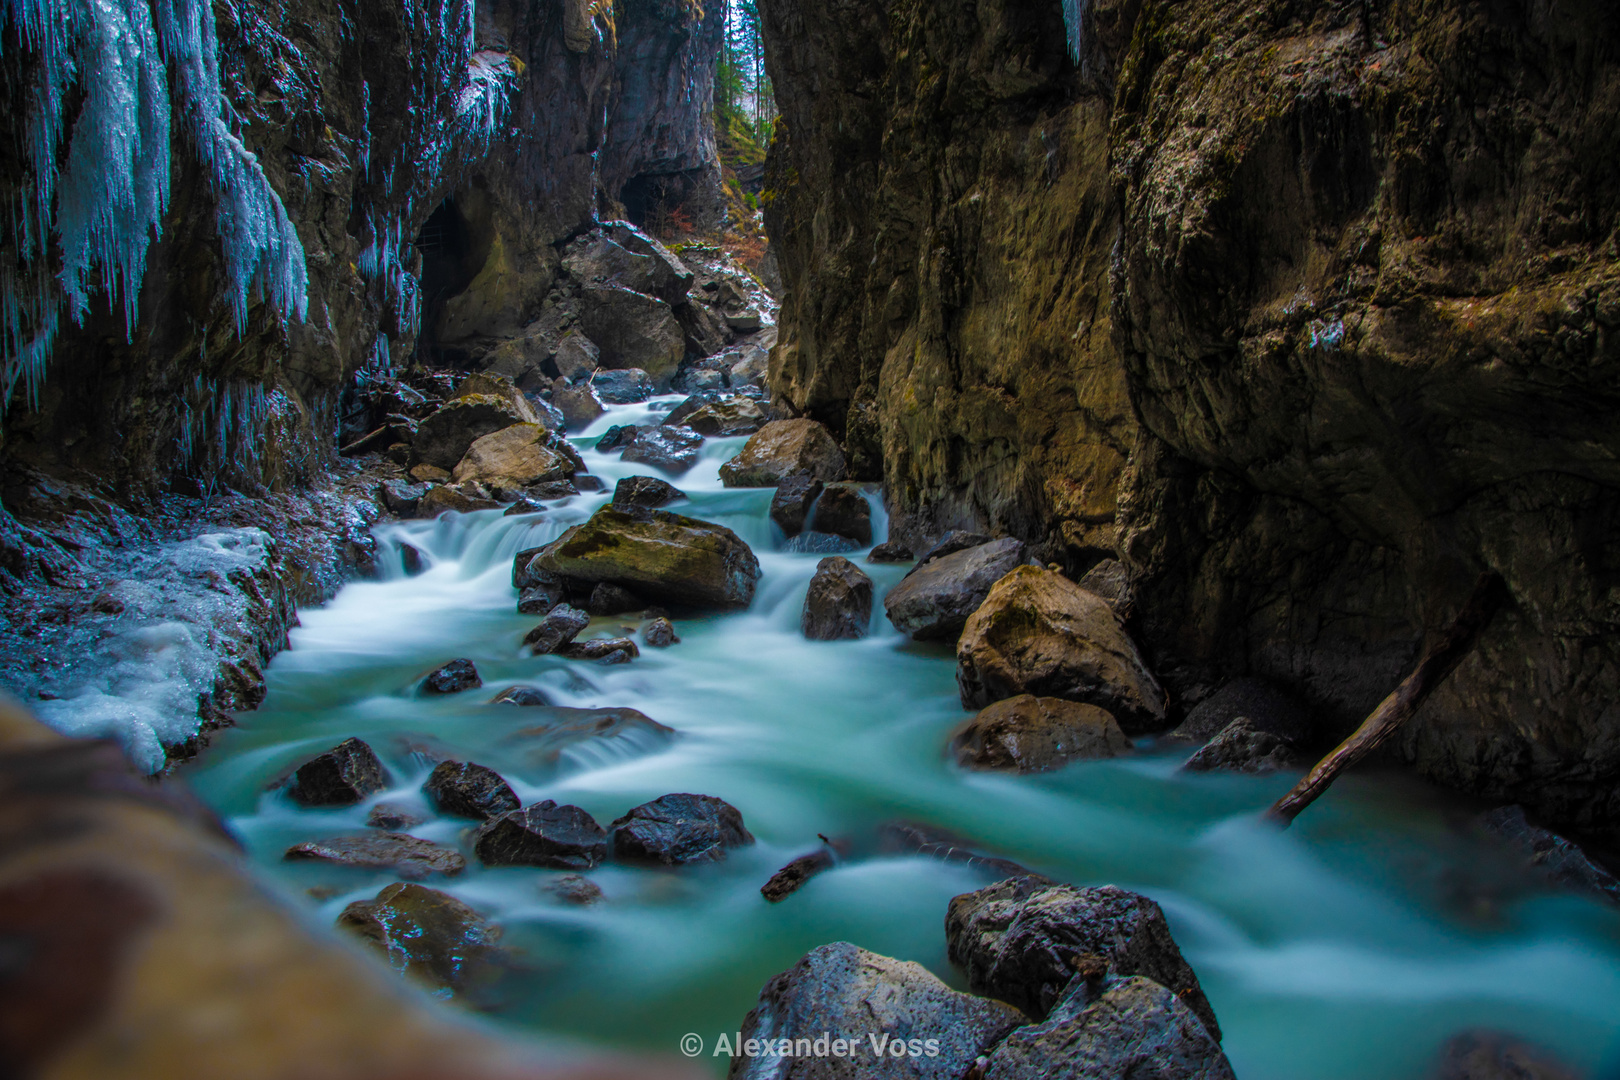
(1347,948)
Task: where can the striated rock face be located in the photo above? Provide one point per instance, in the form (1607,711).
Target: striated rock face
(1252,305)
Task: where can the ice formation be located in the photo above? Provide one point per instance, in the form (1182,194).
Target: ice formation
(1073,12)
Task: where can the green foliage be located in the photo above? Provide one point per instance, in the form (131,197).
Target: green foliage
(744,105)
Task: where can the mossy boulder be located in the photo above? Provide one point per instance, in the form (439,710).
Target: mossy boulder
(782,448)
(444,438)
(658,555)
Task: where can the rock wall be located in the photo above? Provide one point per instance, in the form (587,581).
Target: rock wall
(1302,309)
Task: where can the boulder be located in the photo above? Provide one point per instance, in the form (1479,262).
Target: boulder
(556,629)
(574,889)
(442,498)
(936,598)
(632,330)
(342,776)
(791,503)
(444,438)
(730,416)
(1496,1055)
(616,437)
(645,491)
(1242,747)
(577,358)
(888,552)
(673,449)
(579,405)
(431,474)
(1040,633)
(677,829)
(671,278)
(843,511)
(839,604)
(751,366)
(1031,734)
(1560,861)
(1109,580)
(525,696)
(545,834)
(1017,941)
(782,448)
(626,386)
(607,651)
(1126,1027)
(658,555)
(694,402)
(392,817)
(949,544)
(596,259)
(552,489)
(469,790)
(524,505)
(540,599)
(589,483)
(526,576)
(516,456)
(609,599)
(452,678)
(1266,705)
(404,855)
(659,633)
(425,934)
(845,998)
(400,497)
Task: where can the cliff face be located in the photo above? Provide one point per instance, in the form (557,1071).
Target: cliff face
(1308,308)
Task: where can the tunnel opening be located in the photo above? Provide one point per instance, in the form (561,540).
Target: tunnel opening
(450,261)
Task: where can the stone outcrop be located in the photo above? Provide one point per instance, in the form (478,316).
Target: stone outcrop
(658,555)
(1039,633)
(1031,734)
(937,597)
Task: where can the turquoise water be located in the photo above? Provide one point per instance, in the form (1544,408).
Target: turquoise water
(1348,948)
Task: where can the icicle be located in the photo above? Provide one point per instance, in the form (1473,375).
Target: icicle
(1073,12)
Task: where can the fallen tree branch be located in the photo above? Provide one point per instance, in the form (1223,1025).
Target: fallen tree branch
(1437,662)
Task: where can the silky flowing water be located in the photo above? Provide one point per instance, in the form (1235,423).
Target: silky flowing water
(1351,946)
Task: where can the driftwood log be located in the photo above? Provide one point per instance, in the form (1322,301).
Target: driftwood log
(1442,655)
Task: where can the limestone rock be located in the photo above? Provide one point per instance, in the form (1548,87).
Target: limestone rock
(1132,1027)
(452,678)
(516,456)
(658,555)
(1040,633)
(545,834)
(645,491)
(677,829)
(782,448)
(1031,734)
(843,511)
(936,598)
(405,855)
(791,503)
(632,330)
(443,439)
(557,629)
(425,934)
(342,776)
(622,386)
(849,994)
(839,603)
(469,790)
(1242,747)
(673,449)
(1017,940)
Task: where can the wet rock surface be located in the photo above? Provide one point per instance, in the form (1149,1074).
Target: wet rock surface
(391,817)
(1031,734)
(725,417)
(444,438)
(678,829)
(514,457)
(656,554)
(1017,940)
(936,598)
(609,651)
(659,633)
(556,629)
(452,678)
(838,605)
(792,877)
(465,789)
(782,448)
(1560,861)
(405,855)
(1242,747)
(790,506)
(646,491)
(842,510)
(525,696)
(616,437)
(574,889)
(545,835)
(1496,1055)
(342,776)
(1039,633)
(425,934)
(540,599)
(673,449)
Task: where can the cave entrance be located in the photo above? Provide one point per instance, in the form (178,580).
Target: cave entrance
(657,202)
(449,264)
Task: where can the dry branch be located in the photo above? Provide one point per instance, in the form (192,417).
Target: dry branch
(1437,662)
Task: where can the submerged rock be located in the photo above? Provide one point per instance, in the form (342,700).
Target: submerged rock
(646,491)
(659,633)
(792,877)
(791,503)
(342,776)
(843,511)
(392,817)
(782,448)
(425,934)
(1030,734)
(844,993)
(677,829)
(411,560)
(1040,633)
(405,855)
(838,605)
(543,743)
(618,650)
(556,629)
(1562,862)
(936,598)
(574,889)
(1497,1055)
(526,696)
(452,678)
(673,449)
(1129,1027)
(1242,747)
(465,789)
(1017,939)
(656,554)
(545,834)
